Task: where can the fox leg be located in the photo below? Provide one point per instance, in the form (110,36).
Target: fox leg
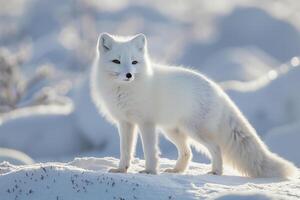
(149,140)
(216,157)
(180,140)
(205,138)
(127,132)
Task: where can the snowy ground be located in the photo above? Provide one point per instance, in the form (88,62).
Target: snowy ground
(87,178)
(228,41)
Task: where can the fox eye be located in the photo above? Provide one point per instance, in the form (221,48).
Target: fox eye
(116,61)
(134,62)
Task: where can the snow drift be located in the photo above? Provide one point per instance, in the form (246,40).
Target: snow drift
(87,178)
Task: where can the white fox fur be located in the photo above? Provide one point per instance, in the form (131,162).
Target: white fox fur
(183,103)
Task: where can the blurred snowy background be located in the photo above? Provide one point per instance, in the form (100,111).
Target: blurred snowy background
(47,47)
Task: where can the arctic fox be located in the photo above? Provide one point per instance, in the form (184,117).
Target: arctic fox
(136,94)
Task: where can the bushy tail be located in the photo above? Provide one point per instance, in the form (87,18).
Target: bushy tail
(246,152)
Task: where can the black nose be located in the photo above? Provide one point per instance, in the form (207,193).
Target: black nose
(128,75)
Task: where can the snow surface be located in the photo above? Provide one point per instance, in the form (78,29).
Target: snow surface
(228,40)
(87,178)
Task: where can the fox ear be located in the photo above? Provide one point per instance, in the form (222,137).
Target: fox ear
(105,42)
(140,41)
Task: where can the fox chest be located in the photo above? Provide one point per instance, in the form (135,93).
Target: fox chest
(125,105)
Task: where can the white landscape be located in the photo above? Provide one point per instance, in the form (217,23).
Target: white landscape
(55,145)
(87,178)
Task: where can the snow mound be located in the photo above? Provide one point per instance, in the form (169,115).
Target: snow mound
(248,196)
(284,140)
(15,157)
(36,130)
(275,104)
(87,178)
(241,64)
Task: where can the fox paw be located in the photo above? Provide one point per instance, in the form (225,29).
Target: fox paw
(173,170)
(117,170)
(215,173)
(146,171)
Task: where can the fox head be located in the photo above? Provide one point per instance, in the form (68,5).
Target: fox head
(122,59)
